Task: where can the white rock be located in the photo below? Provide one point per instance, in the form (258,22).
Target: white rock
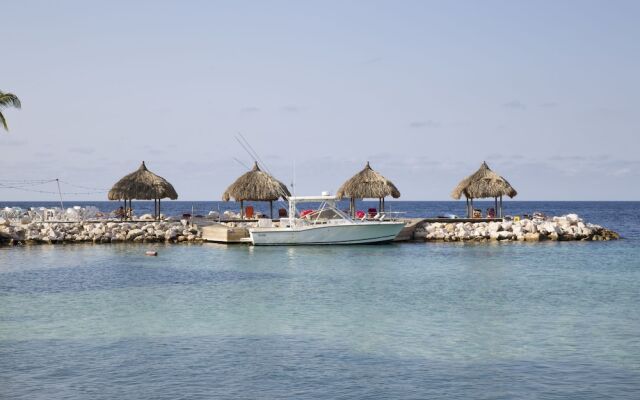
(516,229)
(134,233)
(97,232)
(572,218)
(494,226)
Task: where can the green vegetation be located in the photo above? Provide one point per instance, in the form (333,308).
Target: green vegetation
(7,100)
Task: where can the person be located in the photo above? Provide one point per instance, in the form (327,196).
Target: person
(120,213)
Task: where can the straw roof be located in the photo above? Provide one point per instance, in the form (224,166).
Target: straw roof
(142,185)
(256,185)
(483,183)
(368,184)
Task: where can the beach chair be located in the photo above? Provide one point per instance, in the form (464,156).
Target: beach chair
(248,212)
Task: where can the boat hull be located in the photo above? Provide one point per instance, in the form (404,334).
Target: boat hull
(359,233)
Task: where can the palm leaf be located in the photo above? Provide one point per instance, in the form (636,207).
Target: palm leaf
(9,100)
(4,122)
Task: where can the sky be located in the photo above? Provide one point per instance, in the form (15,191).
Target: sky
(546,92)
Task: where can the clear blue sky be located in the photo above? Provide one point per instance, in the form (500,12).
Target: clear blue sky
(547,92)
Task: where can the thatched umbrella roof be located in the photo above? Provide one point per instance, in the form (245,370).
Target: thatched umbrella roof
(142,185)
(482,184)
(256,185)
(368,184)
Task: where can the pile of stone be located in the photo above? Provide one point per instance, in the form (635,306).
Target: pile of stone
(98,232)
(567,227)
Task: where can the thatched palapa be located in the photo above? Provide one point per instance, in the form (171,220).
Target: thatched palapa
(484,183)
(143,185)
(368,184)
(256,185)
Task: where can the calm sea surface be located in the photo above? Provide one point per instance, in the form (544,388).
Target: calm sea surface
(408,321)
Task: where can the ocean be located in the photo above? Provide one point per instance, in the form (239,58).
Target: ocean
(548,320)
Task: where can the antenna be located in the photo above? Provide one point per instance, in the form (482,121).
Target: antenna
(245,149)
(255,154)
(60,193)
(241,163)
(293,182)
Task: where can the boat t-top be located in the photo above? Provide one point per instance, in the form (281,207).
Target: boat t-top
(324,225)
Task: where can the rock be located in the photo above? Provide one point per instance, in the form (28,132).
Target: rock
(572,218)
(4,222)
(494,226)
(609,234)
(505,235)
(134,233)
(171,234)
(532,237)
(419,233)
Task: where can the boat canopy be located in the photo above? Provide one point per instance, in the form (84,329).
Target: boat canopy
(311,199)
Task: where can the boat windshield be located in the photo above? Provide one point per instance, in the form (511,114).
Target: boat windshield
(327,212)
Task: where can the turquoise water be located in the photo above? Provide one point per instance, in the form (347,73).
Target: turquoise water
(412,321)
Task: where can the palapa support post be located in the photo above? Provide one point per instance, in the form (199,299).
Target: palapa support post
(158,209)
(382,205)
(495,210)
(241,209)
(500,206)
(271,207)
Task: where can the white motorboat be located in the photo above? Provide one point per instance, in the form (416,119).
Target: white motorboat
(325,225)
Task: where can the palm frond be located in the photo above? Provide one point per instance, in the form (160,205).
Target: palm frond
(9,100)
(4,122)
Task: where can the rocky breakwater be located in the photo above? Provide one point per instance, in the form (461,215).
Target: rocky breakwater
(98,232)
(567,227)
